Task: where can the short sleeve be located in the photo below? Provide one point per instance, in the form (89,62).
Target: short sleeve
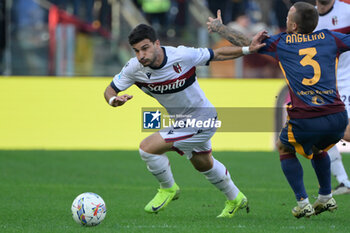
(197,56)
(124,79)
(342,41)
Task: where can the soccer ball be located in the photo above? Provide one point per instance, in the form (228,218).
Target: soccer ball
(88,209)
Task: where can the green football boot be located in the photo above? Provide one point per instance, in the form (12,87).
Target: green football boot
(232,206)
(162,199)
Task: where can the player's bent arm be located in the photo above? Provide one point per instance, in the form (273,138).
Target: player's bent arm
(112,98)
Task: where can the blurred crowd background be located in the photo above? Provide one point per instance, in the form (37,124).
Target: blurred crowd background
(89,37)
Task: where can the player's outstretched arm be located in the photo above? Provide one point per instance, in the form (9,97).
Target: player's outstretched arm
(113,99)
(235,37)
(225,53)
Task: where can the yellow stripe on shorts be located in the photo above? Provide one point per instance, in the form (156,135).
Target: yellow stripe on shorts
(299,148)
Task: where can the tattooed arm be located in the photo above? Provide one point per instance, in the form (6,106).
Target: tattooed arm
(235,37)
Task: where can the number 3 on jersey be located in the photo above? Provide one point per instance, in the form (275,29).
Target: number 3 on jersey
(307,60)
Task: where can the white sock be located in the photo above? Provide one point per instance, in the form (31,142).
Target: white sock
(221,179)
(324,198)
(337,167)
(159,166)
(303,202)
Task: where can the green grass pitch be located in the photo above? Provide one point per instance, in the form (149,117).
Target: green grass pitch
(37,189)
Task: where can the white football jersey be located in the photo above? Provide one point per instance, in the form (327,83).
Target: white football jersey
(174,84)
(338,19)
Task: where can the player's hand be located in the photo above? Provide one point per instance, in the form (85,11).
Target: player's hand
(256,43)
(120,100)
(214,24)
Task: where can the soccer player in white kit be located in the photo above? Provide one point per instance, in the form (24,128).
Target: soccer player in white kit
(335,15)
(168,74)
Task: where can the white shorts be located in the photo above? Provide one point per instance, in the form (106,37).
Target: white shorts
(345,97)
(188,140)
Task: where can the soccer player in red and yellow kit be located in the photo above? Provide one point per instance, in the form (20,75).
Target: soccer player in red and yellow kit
(317,116)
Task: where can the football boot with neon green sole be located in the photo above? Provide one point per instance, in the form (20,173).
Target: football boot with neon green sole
(162,199)
(232,206)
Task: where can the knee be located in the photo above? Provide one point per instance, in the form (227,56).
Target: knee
(155,144)
(143,145)
(283,149)
(146,146)
(145,151)
(202,162)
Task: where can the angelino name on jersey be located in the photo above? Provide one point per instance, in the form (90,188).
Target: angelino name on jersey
(302,38)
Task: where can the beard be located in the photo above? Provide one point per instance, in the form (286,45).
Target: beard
(149,62)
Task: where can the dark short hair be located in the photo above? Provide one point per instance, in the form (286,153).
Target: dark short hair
(324,2)
(306,17)
(141,32)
